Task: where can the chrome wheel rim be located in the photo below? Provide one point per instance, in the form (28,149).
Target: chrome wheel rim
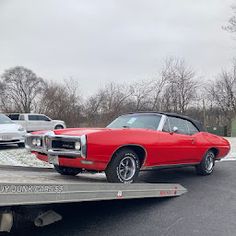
(209,161)
(127,168)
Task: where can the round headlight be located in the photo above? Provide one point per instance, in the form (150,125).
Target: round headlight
(34,141)
(38,142)
(77,146)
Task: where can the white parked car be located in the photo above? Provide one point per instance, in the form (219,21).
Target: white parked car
(11,133)
(35,122)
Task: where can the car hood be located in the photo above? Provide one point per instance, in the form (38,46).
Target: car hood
(84,131)
(79,131)
(9,127)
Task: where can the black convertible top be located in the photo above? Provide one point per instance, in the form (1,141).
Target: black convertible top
(196,123)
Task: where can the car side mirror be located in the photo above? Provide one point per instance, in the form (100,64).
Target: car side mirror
(174,130)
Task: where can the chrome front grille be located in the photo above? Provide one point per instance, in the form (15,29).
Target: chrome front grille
(59,145)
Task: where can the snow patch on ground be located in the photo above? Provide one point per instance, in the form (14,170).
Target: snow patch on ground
(232,154)
(20,157)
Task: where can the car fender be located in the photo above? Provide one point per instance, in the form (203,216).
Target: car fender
(132,145)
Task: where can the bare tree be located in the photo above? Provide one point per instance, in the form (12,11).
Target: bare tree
(158,86)
(108,103)
(222,94)
(2,100)
(181,86)
(231,26)
(21,89)
(141,95)
(93,109)
(174,90)
(62,101)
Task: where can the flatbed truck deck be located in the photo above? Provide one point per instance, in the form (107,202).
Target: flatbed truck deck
(32,186)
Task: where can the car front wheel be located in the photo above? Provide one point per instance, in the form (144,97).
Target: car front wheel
(207,164)
(67,170)
(124,167)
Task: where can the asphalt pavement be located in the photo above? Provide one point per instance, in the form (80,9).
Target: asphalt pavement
(209,208)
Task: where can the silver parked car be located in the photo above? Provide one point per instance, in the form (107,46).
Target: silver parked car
(35,122)
(11,133)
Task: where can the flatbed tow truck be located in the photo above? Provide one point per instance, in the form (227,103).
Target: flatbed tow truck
(33,188)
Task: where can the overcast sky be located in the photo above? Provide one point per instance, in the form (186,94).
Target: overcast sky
(96,41)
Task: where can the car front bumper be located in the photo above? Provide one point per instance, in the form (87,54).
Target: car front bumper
(75,162)
(12,137)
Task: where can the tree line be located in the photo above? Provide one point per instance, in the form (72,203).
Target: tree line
(176,88)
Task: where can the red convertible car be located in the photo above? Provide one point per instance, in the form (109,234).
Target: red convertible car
(132,142)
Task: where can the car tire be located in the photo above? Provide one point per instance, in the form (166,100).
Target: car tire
(207,164)
(21,145)
(124,167)
(59,127)
(67,170)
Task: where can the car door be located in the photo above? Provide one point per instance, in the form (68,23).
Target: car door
(33,124)
(38,122)
(22,121)
(176,147)
(44,122)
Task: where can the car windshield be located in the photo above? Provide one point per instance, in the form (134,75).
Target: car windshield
(5,120)
(143,121)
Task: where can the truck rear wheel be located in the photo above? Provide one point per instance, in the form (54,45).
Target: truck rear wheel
(67,170)
(124,167)
(59,127)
